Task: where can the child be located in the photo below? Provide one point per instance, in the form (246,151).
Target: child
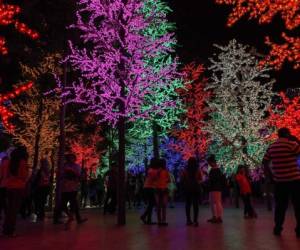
(245,191)
(163,181)
(216,182)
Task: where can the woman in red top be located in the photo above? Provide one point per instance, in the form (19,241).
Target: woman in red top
(162,184)
(149,191)
(15,183)
(245,191)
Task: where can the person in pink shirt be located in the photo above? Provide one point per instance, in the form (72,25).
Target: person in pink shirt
(245,192)
(15,183)
(162,184)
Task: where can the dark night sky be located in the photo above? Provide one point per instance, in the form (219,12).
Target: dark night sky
(201,23)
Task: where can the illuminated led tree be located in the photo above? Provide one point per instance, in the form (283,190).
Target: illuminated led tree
(160,122)
(194,140)
(241,95)
(265,11)
(286,114)
(86,151)
(8,15)
(37,129)
(37,113)
(115,76)
(5,113)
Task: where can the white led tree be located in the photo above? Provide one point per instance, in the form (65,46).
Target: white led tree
(241,95)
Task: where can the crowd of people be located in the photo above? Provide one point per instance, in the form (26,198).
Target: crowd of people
(26,194)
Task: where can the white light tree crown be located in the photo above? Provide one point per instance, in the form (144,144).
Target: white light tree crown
(241,95)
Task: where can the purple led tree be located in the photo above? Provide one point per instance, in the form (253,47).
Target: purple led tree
(115,76)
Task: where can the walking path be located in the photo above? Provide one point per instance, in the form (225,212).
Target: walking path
(100,232)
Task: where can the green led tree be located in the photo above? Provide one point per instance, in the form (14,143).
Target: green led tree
(160,121)
(241,95)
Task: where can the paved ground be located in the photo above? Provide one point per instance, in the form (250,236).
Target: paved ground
(101,233)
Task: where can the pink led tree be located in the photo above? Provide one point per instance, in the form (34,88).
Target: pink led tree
(116,77)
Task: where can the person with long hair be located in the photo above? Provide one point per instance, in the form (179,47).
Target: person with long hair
(162,195)
(15,185)
(149,191)
(191,180)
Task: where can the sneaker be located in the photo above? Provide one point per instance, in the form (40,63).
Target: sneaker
(212,220)
(81,221)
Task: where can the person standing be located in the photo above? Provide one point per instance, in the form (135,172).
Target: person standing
(110,202)
(285,173)
(3,173)
(42,188)
(162,195)
(149,190)
(15,184)
(83,187)
(191,179)
(216,183)
(245,192)
(70,186)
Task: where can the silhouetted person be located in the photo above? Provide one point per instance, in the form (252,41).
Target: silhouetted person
(245,192)
(42,188)
(70,186)
(162,192)
(149,191)
(191,180)
(3,173)
(285,172)
(15,183)
(216,183)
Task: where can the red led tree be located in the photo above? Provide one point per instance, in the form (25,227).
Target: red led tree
(286,114)
(8,15)
(5,114)
(193,139)
(264,11)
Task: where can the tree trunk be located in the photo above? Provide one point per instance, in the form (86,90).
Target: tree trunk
(61,152)
(121,174)
(38,135)
(155,140)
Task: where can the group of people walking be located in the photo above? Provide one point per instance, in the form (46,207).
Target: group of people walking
(280,166)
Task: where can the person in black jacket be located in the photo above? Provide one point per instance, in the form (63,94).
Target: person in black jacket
(216,181)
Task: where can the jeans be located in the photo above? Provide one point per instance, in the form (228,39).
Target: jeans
(283,192)
(192,199)
(13,203)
